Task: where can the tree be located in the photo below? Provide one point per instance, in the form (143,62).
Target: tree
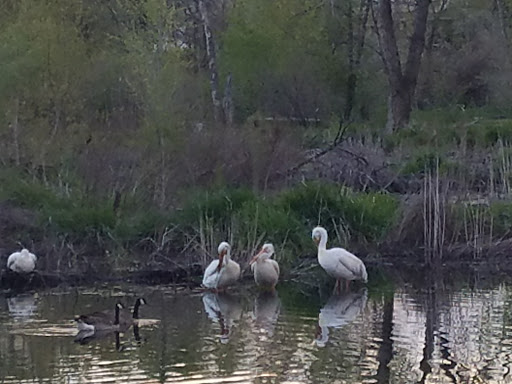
(402,83)
(355,52)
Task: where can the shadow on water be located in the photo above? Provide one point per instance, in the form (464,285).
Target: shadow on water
(410,328)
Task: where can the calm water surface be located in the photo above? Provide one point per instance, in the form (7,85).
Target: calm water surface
(374,335)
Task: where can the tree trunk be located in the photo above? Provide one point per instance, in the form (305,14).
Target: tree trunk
(355,52)
(227,101)
(399,109)
(212,62)
(16,132)
(402,84)
(385,353)
(502,17)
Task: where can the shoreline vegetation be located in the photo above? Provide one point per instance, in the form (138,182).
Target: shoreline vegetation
(137,135)
(423,208)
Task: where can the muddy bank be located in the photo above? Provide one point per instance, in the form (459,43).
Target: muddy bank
(67,260)
(11,281)
(393,264)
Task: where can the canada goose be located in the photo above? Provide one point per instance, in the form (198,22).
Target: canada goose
(22,262)
(338,262)
(266,270)
(99,321)
(222,272)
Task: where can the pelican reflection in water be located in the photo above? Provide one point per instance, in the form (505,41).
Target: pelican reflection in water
(267,306)
(339,311)
(22,307)
(224,309)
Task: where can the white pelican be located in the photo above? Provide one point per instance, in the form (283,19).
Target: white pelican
(339,311)
(266,270)
(222,272)
(22,262)
(338,262)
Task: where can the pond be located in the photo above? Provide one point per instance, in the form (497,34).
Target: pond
(395,333)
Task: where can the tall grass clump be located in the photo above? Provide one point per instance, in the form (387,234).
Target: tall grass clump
(265,221)
(210,217)
(286,219)
(351,215)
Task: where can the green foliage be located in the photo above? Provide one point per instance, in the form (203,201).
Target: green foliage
(426,161)
(365,216)
(501,213)
(217,205)
(287,218)
(139,224)
(265,40)
(270,222)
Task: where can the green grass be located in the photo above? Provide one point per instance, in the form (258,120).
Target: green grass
(287,218)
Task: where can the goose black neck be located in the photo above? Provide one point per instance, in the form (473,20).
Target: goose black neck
(116,320)
(136,309)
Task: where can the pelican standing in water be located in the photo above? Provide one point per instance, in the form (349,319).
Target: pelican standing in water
(338,262)
(22,262)
(266,270)
(222,272)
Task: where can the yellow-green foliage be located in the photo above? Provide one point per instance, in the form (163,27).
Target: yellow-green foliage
(287,218)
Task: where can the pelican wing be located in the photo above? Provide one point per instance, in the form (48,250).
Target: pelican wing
(275,265)
(12,259)
(351,262)
(211,275)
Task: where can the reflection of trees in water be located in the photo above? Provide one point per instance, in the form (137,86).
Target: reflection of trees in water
(385,353)
(435,334)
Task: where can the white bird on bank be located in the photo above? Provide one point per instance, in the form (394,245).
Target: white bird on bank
(22,262)
(338,262)
(222,272)
(266,270)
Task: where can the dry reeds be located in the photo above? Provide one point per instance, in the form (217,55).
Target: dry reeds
(434,214)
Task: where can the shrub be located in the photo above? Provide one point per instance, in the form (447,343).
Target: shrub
(263,221)
(364,215)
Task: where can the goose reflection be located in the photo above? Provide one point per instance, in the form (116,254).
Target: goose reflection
(339,311)
(267,306)
(22,307)
(224,309)
(88,336)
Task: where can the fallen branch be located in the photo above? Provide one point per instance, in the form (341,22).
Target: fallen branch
(336,142)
